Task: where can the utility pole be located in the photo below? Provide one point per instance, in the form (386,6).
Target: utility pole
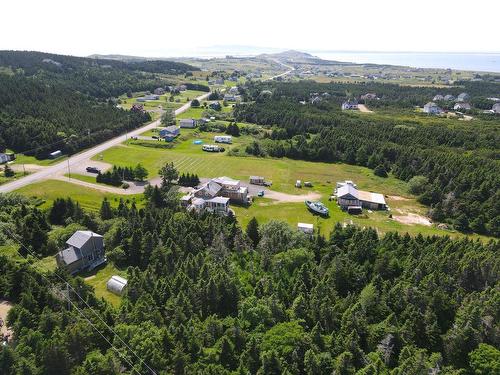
(24,170)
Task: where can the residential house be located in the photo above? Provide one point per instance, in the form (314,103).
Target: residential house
(449,98)
(170,133)
(369,96)
(432,108)
(461,107)
(215,106)
(159,91)
(218,205)
(234,90)
(232,98)
(463,97)
(232,189)
(85,251)
(4,158)
(223,139)
(219,81)
(187,123)
(438,98)
(351,199)
(496,108)
(316,100)
(350,105)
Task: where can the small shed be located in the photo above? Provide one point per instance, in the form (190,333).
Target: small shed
(257,180)
(305,228)
(116,285)
(55,154)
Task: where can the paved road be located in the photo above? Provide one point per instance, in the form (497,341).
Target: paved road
(84,155)
(289,67)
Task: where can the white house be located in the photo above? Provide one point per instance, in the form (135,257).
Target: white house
(438,98)
(4,158)
(496,108)
(223,139)
(187,123)
(350,104)
(461,106)
(449,98)
(432,108)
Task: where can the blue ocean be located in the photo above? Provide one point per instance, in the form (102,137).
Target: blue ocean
(484,62)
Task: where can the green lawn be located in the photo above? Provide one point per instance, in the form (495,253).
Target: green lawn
(98,279)
(23,159)
(89,199)
(4,179)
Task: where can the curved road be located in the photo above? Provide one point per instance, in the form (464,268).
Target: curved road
(85,155)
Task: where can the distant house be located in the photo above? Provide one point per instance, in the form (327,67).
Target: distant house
(350,105)
(182,87)
(305,228)
(496,108)
(449,98)
(159,91)
(223,139)
(461,106)
(438,98)
(352,200)
(369,96)
(187,123)
(215,106)
(170,132)
(4,158)
(234,90)
(219,81)
(463,97)
(85,251)
(137,108)
(316,100)
(232,98)
(116,285)
(432,108)
(149,97)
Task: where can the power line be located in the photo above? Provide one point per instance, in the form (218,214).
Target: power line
(13,236)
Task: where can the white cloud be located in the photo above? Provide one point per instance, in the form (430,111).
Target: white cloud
(165,28)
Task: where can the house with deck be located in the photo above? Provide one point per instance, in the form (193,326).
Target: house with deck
(170,133)
(350,105)
(84,251)
(353,200)
(432,108)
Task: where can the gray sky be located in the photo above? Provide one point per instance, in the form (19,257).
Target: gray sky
(187,27)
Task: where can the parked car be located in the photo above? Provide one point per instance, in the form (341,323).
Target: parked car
(260,193)
(154,137)
(308,184)
(93,170)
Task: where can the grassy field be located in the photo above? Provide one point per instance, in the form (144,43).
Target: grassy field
(179,100)
(98,279)
(89,199)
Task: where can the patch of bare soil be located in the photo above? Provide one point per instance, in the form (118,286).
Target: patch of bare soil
(411,218)
(363,108)
(291,198)
(397,198)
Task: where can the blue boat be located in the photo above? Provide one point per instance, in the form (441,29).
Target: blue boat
(317,208)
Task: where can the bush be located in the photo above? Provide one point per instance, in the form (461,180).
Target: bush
(125,185)
(380,171)
(417,184)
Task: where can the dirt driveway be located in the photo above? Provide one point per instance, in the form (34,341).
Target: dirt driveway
(412,218)
(364,108)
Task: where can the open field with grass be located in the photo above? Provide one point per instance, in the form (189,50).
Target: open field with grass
(23,159)
(98,279)
(89,199)
(188,157)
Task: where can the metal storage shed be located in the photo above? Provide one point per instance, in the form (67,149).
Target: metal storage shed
(116,285)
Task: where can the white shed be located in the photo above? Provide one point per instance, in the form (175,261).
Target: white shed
(306,228)
(116,285)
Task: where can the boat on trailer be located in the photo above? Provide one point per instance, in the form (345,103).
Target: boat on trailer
(317,208)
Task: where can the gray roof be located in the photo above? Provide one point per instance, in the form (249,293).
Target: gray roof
(347,189)
(70,255)
(171,128)
(80,238)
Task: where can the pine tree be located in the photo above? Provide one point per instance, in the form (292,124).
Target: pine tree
(253,232)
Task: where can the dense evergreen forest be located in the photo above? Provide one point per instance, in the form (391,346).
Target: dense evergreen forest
(459,161)
(205,297)
(52,102)
(99,78)
(36,118)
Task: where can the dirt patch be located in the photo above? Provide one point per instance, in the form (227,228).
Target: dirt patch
(27,167)
(397,198)
(4,309)
(411,218)
(363,108)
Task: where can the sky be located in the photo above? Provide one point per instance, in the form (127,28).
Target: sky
(164,28)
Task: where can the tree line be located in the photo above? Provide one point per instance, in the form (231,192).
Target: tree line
(206,296)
